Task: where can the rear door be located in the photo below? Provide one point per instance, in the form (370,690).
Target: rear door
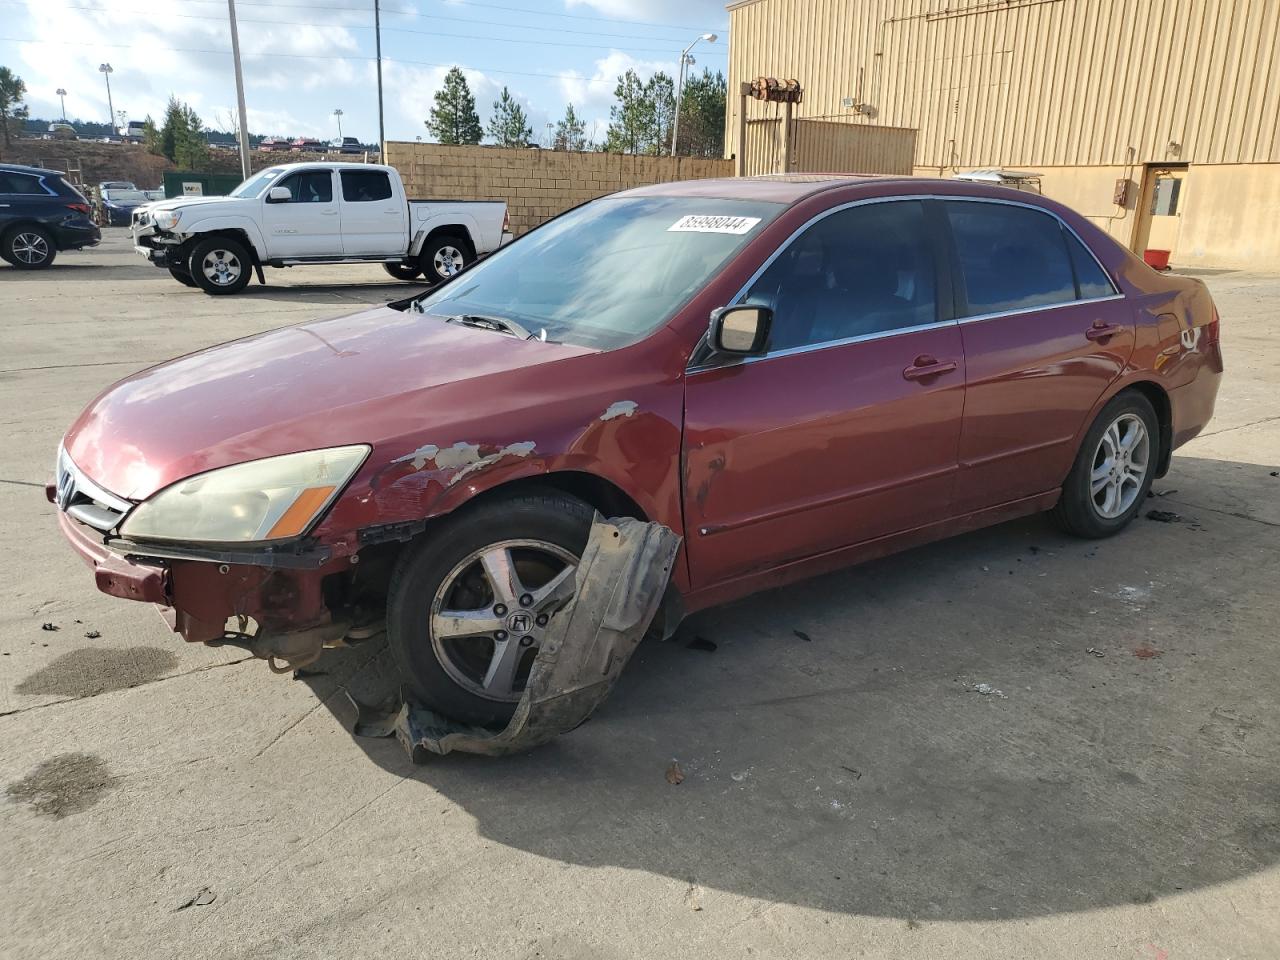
(847,429)
(1045,332)
(308,225)
(374,216)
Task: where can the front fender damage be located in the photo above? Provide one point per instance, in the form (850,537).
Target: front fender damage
(616,593)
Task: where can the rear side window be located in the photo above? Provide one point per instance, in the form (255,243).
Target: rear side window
(365,186)
(1091,281)
(1011,258)
(21,183)
(865,270)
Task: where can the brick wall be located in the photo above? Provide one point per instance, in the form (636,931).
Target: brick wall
(537,184)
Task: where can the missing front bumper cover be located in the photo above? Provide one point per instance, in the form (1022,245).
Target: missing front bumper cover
(619,586)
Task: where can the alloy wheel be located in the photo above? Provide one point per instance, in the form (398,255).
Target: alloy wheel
(222,267)
(491,613)
(1120,466)
(30,248)
(448,261)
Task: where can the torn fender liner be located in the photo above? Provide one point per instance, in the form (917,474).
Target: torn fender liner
(618,588)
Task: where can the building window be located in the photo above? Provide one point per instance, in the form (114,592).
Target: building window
(1165,201)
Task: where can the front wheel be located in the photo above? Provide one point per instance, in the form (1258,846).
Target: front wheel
(403,271)
(445,255)
(181,275)
(1113,471)
(28,248)
(220,265)
(470,605)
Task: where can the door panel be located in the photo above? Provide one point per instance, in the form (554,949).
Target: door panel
(309,225)
(374,219)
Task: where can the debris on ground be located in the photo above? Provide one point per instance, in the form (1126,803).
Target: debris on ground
(739,776)
(50,627)
(1152,494)
(92,634)
(701,643)
(201,899)
(1163,516)
(1146,652)
(302,673)
(803,636)
(1275,473)
(987,690)
(857,774)
(675,776)
(693,897)
(1095,652)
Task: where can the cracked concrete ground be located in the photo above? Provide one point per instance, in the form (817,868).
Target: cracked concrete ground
(846,792)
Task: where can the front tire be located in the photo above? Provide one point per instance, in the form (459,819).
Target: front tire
(444,256)
(181,275)
(28,248)
(220,265)
(403,271)
(469,604)
(1113,470)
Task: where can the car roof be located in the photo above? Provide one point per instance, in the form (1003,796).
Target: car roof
(37,171)
(791,188)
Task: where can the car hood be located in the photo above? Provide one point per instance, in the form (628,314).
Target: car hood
(365,378)
(183,203)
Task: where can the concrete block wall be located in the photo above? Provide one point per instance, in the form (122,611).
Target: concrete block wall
(536,184)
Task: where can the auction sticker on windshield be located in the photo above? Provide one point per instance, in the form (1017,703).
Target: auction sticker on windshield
(698,223)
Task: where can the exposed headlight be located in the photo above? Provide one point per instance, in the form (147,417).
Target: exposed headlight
(255,502)
(167,219)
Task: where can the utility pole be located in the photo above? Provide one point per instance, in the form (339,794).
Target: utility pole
(244,120)
(685,59)
(62,95)
(377,35)
(106,71)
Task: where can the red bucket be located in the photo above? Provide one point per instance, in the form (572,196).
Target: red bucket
(1156,259)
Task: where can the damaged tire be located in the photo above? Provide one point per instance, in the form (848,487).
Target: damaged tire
(469,604)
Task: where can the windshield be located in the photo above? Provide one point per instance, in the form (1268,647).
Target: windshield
(118,195)
(254,186)
(608,273)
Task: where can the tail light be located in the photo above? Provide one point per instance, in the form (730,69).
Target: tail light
(78,207)
(506,221)
(1211,329)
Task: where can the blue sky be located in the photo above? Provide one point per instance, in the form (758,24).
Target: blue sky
(303,59)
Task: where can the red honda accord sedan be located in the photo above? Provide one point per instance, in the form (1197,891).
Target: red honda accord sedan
(792,373)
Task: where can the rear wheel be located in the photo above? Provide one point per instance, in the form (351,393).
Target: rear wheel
(182,276)
(403,271)
(445,255)
(28,247)
(1113,471)
(220,265)
(470,605)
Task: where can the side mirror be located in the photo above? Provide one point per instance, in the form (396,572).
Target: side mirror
(740,331)
(279,195)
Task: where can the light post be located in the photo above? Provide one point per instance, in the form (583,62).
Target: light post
(106,71)
(685,59)
(62,95)
(338,113)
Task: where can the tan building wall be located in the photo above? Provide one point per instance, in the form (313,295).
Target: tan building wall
(1083,91)
(537,184)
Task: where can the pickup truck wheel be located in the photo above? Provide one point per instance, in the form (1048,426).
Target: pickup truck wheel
(445,255)
(220,265)
(403,271)
(469,605)
(181,275)
(28,247)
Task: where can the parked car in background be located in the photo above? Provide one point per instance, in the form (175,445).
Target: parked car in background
(62,131)
(345,145)
(119,203)
(156,194)
(792,373)
(41,214)
(273,145)
(117,185)
(307,145)
(309,213)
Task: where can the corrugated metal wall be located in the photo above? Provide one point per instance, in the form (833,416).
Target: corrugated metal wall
(821,147)
(1029,82)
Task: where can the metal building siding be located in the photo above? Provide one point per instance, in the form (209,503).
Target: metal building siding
(1029,82)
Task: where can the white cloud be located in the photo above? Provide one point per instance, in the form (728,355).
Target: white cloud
(593,96)
(698,12)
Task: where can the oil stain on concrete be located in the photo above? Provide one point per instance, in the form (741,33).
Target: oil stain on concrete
(63,785)
(93,670)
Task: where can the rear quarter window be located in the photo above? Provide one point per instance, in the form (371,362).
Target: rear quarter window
(22,184)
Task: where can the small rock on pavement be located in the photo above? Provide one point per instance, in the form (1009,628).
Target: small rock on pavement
(987,690)
(1163,516)
(49,626)
(92,635)
(675,776)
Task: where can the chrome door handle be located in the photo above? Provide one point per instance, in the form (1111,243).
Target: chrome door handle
(927,366)
(1101,331)
(328,213)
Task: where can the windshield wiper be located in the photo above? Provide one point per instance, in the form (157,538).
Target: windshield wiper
(496,324)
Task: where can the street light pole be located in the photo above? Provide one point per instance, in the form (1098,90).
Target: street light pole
(106,71)
(62,95)
(244,122)
(338,113)
(685,59)
(377,36)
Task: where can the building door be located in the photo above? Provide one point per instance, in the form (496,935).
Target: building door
(1163,197)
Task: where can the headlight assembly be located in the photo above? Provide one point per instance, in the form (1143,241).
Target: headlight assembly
(167,219)
(256,502)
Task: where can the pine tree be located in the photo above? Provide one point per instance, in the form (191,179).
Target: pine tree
(702,116)
(660,92)
(571,133)
(508,126)
(171,129)
(12,93)
(631,118)
(454,119)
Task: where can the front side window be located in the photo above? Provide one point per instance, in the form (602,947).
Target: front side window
(865,270)
(1011,258)
(609,272)
(309,186)
(365,186)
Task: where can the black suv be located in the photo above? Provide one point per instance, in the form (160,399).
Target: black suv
(40,214)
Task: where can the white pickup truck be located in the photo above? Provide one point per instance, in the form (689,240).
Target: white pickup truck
(307,213)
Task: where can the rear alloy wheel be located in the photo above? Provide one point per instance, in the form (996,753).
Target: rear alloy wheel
(444,256)
(403,271)
(471,605)
(220,265)
(29,248)
(1113,471)
(182,276)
